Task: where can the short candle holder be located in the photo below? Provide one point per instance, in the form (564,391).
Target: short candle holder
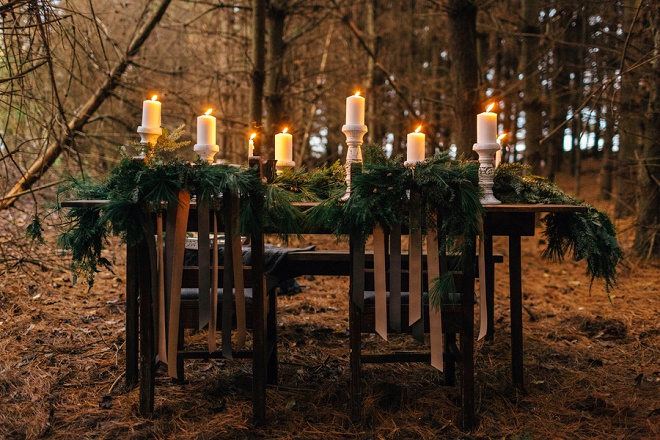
(148,138)
(283,165)
(206,151)
(486,150)
(354,138)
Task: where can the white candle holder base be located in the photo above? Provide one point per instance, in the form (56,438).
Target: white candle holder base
(354,138)
(206,151)
(486,151)
(148,138)
(283,165)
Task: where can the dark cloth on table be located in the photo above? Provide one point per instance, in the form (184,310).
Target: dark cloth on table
(273,257)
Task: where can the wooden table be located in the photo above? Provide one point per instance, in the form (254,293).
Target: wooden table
(513,221)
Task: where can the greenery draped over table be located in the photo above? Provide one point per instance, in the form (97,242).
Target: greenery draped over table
(380,194)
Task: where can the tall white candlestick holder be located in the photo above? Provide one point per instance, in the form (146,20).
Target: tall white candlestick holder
(148,138)
(354,138)
(206,151)
(283,165)
(486,150)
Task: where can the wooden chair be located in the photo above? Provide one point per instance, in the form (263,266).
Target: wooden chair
(457,318)
(186,287)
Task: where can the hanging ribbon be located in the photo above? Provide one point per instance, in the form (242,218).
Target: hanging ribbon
(161,353)
(380,281)
(483,310)
(415,268)
(175,259)
(395,278)
(435,313)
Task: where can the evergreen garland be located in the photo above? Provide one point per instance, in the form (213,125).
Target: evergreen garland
(588,235)
(379,195)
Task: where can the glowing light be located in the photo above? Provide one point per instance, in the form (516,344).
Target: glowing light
(285,129)
(418,128)
(357,93)
(253,135)
(490,107)
(502,136)
(154,98)
(208,112)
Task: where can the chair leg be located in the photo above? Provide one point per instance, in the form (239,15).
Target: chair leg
(450,360)
(271,337)
(355,361)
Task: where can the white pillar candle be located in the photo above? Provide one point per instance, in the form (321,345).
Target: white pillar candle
(206,129)
(355,110)
(487,126)
(283,146)
(251,145)
(151,113)
(416,145)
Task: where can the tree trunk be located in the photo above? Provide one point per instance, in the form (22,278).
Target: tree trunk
(462,16)
(76,124)
(608,162)
(275,79)
(531,103)
(647,237)
(629,127)
(258,69)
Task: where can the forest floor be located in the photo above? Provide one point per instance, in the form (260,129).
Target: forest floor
(592,364)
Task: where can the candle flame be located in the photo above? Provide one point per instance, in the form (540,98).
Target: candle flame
(357,93)
(502,136)
(418,128)
(285,129)
(155,97)
(490,107)
(253,135)
(208,112)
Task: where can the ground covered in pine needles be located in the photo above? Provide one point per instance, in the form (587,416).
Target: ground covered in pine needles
(592,366)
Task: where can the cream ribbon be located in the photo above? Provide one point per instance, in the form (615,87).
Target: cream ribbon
(483,310)
(380,282)
(162,329)
(176,261)
(435,313)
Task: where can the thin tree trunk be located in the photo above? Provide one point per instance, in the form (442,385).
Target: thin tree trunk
(647,234)
(531,102)
(275,79)
(608,162)
(462,16)
(629,125)
(76,124)
(258,69)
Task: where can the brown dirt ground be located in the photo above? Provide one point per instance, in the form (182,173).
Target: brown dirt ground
(592,367)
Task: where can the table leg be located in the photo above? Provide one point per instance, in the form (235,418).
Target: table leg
(147,341)
(259,361)
(489,279)
(515,280)
(132,316)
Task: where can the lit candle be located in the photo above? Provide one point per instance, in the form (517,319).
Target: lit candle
(487,126)
(151,113)
(206,128)
(415,146)
(251,145)
(355,110)
(498,153)
(283,146)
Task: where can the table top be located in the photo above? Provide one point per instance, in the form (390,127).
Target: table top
(504,207)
